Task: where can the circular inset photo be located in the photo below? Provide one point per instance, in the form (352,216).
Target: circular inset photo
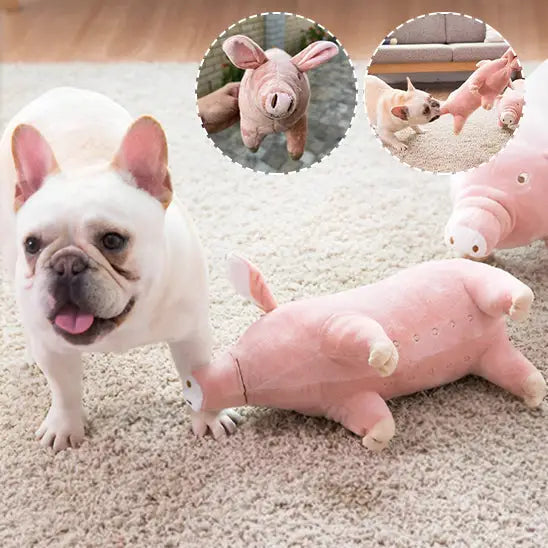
(444,92)
(276,92)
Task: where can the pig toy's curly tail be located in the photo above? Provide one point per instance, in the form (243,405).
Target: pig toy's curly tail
(248,282)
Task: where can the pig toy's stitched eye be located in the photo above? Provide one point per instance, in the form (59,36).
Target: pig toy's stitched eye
(523,178)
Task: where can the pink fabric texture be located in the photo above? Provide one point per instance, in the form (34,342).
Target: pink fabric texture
(275,92)
(343,355)
(482,88)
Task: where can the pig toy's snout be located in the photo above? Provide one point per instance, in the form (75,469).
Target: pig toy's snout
(279,104)
(508,118)
(192,393)
(466,241)
(473,232)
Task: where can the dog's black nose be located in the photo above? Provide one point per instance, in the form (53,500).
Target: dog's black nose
(435,104)
(69,265)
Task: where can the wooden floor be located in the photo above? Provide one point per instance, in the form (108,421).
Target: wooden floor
(181,30)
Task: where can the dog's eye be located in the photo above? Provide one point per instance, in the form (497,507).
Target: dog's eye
(523,178)
(113,241)
(32,245)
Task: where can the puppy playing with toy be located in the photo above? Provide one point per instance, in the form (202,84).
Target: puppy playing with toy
(103,255)
(391,110)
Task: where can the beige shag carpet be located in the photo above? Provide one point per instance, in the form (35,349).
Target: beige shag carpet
(439,150)
(468,465)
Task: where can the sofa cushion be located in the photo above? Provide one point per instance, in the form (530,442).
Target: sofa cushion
(461,28)
(477,52)
(413,53)
(422,30)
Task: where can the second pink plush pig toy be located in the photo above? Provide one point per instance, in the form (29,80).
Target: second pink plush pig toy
(504,203)
(275,92)
(481,89)
(342,356)
(510,104)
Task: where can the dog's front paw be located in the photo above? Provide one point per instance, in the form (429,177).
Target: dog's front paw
(219,423)
(62,428)
(400,147)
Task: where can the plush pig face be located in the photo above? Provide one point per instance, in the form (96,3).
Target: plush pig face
(275,91)
(343,355)
(501,204)
(510,105)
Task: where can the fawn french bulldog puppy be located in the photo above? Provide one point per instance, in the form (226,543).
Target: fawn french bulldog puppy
(391,110)
(103,255)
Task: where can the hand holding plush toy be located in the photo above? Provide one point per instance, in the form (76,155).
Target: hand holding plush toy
(504,203)
(275,91)
(343,355)
(481,89)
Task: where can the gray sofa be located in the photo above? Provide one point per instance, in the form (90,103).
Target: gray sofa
(442,42)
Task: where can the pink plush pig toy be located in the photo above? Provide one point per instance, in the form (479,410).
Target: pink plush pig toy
(275,92)
(504,203)
(343,355)
(510,104)
(481,89)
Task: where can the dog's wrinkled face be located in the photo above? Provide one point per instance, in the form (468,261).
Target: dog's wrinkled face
(419,107)
(89,245)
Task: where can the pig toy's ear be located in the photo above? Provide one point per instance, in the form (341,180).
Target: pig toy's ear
(143,154)
(481,63)
(248,282)
(244,52)
(314,55)
(34,161)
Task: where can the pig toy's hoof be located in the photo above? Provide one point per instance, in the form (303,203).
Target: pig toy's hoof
(521,304)
(534,389)
(380,435)
(466,241)
(296,156)
(383,357)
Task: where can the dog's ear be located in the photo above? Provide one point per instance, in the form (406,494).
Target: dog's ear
(34,161)
(410,86)
(314,55)
(143,154)
(244,52)
(400,112)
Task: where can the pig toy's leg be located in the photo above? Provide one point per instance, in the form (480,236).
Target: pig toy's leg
(499,293)
(458,123)
(367,415)
(508,368)
(251,136)
(296,138)
(357,340)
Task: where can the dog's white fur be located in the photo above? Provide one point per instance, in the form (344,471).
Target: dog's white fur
(85,130)
(384,108)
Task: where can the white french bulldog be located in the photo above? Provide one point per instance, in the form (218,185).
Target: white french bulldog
(103,255)
(391,110)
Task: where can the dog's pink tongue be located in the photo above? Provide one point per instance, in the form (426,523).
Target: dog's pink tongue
(73,321)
